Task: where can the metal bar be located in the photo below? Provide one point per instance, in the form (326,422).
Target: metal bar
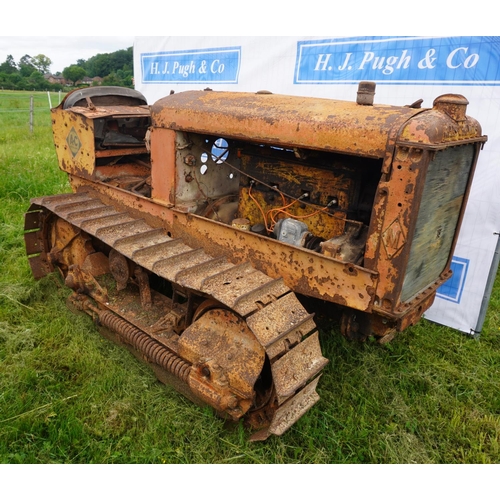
(489,287)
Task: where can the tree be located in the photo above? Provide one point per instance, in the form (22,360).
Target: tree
(73,73)
(42,63)
(99,65)
(9,66)
(36,81)
(12,81)
(26,66)
(104,64)
(112,79)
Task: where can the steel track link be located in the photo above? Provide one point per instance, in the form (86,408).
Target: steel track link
(271,310)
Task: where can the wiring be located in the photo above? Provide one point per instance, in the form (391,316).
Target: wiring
(271,214)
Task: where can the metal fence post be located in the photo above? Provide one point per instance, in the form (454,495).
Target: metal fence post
(489,288)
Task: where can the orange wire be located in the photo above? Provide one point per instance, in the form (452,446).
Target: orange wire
(279,209)
(293,216)
(270,213)
(260,208)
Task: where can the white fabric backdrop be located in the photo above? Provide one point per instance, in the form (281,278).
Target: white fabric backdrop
(404,68)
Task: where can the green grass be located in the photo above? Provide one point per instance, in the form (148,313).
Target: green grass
(67,395)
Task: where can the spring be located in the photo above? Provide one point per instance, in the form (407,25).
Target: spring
(152,349)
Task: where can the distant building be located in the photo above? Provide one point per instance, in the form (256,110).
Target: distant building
(55,79)
(86,80)
(97,80)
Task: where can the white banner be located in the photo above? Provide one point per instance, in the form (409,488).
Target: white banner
(405,69)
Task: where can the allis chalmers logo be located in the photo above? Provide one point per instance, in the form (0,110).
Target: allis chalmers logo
(393,238)
(73,142)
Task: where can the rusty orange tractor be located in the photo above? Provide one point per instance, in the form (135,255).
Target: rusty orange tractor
(197,225)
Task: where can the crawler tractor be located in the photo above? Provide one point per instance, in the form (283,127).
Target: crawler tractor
(198,227)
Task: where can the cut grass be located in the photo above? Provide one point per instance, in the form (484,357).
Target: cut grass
(67,395)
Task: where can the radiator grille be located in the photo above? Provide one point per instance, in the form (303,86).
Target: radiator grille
(438,216)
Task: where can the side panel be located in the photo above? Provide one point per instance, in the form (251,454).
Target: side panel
(74,141)
(304,271)
(163,150)
(392,223)
(307,272)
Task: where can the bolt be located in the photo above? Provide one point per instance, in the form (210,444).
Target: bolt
(190,160)
(232,402)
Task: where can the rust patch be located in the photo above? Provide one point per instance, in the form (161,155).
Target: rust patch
(340,300)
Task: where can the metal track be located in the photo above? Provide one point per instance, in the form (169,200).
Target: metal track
(271,310)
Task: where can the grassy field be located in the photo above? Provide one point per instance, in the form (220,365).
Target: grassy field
(69,396)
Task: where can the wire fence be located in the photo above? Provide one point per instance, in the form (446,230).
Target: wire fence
(24,109)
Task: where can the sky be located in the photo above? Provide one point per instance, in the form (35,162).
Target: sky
(63,51)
